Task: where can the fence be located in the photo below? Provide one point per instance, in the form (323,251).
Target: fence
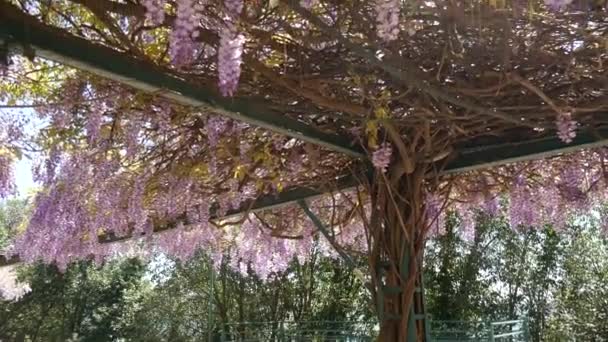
(332,331)
(300,331)
(479,331)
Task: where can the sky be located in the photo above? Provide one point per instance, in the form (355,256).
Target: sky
(22,169)
(23,177)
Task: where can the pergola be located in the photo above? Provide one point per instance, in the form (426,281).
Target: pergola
(20,32)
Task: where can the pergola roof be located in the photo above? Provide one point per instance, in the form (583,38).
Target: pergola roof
(26,34)
(19,31)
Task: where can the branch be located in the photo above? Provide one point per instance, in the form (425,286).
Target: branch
(127,9)
(404,77)
(100,11)
(536,91)
(313,96)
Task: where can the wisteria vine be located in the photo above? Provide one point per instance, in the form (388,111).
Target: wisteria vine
(123,171)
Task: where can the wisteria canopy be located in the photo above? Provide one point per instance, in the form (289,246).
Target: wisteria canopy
(391,96)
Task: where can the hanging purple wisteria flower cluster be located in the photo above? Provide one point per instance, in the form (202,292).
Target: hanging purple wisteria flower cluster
(185,31)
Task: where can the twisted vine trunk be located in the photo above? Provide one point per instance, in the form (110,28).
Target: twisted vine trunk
(397,230)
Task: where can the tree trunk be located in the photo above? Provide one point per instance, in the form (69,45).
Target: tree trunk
(397,231)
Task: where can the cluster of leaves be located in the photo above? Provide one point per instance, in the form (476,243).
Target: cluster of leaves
(11,220)
(167,301)
(82,304)
(556,280)
(322,290)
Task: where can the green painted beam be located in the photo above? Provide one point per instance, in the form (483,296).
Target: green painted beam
(475,158)
(295,194)
(321,227)
(466,159)
(19,29)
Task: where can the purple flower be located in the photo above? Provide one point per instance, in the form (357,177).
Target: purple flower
(434,215)
(185,31)
(295,162)
(230,54)
(387,19)
(522,210)
(566,127)
(215,128)
(51,164)
(491,205)
(133,129)
(230,51)
(557,5)
(381,158)
(308,4)
(155,11)
(135,206)
(570,183)
(234,7)
(94,122)
(7,185)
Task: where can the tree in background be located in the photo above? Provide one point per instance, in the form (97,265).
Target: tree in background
(169,301)
(555,279)
(80,304)
(12,219)
(580,300)
(12,214)
(315,295)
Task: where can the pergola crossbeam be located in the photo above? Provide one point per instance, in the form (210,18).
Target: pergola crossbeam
(488,156)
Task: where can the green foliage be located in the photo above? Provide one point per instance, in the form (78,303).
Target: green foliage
(83,304)
(581,305)
(556,279)
(180,307)
(11,217)
(167,301)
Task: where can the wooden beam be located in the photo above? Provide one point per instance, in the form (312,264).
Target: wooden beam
(21,31)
